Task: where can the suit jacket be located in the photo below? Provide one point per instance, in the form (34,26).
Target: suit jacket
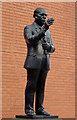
(35,36)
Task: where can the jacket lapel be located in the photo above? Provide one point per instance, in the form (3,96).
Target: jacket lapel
(37,27)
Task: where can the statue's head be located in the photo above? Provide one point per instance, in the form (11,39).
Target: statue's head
(40,15)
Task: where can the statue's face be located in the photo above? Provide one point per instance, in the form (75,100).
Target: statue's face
(41,17)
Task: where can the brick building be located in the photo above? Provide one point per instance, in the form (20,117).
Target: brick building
(60,84)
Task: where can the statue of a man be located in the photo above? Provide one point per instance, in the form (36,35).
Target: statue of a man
(40,46)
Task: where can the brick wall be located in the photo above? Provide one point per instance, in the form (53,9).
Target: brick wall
(76,59)
(60,84)
(0,63)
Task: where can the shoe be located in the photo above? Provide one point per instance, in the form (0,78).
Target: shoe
(42,112)
(29,113)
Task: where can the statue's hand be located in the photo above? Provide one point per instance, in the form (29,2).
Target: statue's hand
(46,46)
(49,22)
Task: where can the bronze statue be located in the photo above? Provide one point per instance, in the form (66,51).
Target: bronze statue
(40,46)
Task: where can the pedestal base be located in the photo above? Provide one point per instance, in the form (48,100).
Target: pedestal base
(36,117)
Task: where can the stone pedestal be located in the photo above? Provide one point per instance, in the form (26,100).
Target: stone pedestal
(40,119)
(36,117)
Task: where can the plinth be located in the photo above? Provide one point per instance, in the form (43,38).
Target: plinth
(36,117)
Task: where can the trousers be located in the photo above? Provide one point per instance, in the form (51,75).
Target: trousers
(35,83)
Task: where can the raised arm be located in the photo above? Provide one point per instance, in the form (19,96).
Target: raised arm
(33,38)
